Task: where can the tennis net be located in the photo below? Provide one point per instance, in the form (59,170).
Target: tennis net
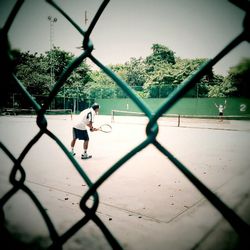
(140,117)
(176,120)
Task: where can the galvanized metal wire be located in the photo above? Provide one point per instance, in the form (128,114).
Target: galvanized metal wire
(18,176)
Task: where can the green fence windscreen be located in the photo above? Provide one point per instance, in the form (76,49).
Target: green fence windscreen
(184,106)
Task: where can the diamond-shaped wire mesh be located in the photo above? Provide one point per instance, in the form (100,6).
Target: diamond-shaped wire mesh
(89,213)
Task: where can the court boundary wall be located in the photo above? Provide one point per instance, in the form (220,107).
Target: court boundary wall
(235,107)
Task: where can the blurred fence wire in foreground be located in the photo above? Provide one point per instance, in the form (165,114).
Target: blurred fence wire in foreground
(18,176)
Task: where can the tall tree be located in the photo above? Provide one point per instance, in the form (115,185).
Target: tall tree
(100,86)
(31,70)
(236,83)
(238,80)
(136,71)
(160,54)
(76,83)
(57,60)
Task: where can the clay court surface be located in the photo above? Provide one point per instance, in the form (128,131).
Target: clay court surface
(148,203)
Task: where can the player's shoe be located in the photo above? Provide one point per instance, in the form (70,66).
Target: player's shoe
(73,153)
(86,156)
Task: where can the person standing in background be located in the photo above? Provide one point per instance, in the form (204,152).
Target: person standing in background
(221,109)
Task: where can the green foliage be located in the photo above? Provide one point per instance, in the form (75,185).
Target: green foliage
(76,83)
(136,72)
(237,81)
(165,77)
(155,76)
(99,86)
(32,69)
(57,60)
(35,72)
(235,84)
(161,54)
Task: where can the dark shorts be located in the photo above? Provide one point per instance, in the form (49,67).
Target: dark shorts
(80,134)
(221,114)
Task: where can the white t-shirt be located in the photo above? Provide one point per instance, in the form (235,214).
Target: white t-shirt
(84,118)
(221,108)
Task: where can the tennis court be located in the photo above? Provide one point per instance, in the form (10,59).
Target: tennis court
(147,203)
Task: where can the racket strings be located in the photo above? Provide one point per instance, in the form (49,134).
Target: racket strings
(105,128)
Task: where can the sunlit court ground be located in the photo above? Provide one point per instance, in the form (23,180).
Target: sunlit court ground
(147,203)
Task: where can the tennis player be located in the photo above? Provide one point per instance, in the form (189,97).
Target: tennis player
(221,109)
(84,120)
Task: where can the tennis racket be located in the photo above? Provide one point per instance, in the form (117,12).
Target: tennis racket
(106,128)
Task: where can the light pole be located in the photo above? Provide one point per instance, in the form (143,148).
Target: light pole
(85,17)
(52,20)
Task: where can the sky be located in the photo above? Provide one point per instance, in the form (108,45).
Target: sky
(129,28)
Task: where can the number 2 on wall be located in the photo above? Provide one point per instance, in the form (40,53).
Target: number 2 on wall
(243,107)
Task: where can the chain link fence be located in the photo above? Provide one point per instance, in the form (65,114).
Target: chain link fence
(18,176)
(77,104)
